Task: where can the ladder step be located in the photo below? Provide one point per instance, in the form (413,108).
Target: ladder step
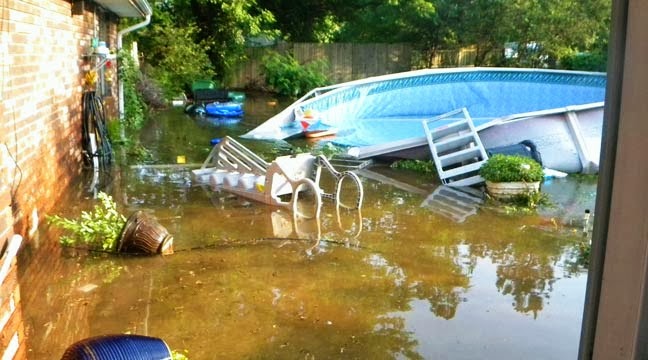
(349,163)
(461,170)
(450,203)
(459,196)
(476,179)
(454,128)
(453,143)
(457,157)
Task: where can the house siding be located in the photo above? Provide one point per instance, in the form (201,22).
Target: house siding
(42,68)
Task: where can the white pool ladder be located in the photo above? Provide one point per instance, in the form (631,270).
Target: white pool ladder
(456,149)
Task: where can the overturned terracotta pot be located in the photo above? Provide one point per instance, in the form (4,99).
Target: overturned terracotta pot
(142,234)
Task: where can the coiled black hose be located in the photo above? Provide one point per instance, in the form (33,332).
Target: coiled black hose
(94,122)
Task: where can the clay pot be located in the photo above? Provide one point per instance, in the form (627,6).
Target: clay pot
(142,234)
(118,347)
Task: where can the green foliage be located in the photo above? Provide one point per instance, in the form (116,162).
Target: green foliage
(134,106)
(97,229)
(289,78)
(327,149)
(127,141)
(199,35)
(530,200)
(393,21)
(556,26)
(174,54)
(546,30)
(584,253)
(306,20)
(511,168)
(425,167)
(589,61)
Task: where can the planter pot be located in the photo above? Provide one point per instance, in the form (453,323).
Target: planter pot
(142,234)
(506,190)
(118,347)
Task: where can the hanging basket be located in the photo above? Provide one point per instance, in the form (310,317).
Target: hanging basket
(142,234)
(507,190)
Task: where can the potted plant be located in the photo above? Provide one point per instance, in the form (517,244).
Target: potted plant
(509,175)
(104,228)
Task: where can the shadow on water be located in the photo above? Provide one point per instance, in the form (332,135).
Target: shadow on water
(400,279)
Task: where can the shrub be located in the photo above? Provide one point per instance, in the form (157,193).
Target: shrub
(98,229)
(588,61)
(511,168)
(173,54)
(134,106)
(289,78)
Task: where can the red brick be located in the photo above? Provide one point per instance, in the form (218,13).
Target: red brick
(41,97)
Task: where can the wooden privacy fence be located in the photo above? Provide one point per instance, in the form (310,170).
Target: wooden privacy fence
(348,61)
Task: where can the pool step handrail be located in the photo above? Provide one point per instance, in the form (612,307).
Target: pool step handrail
(229,154)
(291,174)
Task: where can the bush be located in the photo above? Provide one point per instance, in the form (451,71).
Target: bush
(289,78)
(134,106)
(173,54)
(511,168)
(98,229)
(588,61)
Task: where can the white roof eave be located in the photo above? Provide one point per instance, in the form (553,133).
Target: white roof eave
(127,8)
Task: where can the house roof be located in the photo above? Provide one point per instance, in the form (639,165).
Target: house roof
(127,8)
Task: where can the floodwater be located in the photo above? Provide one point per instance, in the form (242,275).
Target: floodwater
(403,278)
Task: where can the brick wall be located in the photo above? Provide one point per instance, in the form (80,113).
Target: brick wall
(41,85)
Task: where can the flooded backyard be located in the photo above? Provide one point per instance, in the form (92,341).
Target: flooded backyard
(402,278)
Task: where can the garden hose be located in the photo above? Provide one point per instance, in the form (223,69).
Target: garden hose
(94,122)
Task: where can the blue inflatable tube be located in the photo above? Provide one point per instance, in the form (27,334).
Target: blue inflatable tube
(225,109)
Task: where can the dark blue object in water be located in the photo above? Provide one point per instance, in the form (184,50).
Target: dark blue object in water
(195,109)
(225,109)
(118,347)
(215,141)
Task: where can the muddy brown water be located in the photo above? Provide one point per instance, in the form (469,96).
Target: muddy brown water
(402,278)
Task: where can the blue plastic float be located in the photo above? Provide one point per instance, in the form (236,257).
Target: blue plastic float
(224,109)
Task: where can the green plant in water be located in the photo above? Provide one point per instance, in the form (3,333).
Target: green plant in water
(97,229)
(527,201)
(531,199)
(328,150)
(128,143)
(511,168)
(422,166)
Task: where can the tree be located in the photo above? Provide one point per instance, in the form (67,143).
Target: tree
(547,30)
(482,24)
(425,23)
(173,54)
(192,39)
(305,20)
(223,27)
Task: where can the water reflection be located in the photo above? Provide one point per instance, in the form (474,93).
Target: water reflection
(397,280)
